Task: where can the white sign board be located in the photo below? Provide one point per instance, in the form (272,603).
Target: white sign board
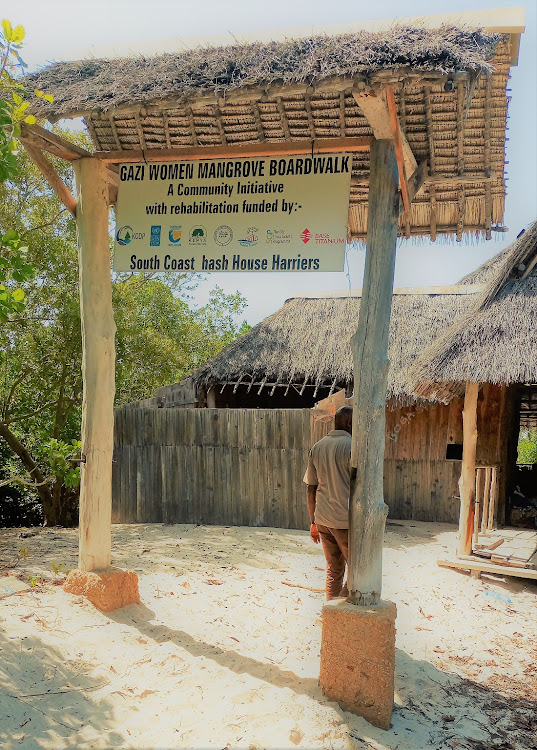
(261,214)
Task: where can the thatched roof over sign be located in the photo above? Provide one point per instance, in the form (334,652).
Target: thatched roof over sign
(450,86)
(87,85)
(306,344)
(496,340)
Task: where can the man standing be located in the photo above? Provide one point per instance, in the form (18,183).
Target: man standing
(328,480)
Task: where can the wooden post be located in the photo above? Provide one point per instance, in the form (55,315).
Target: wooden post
(486,498)
(98,365)
(370,355)
(467,480)
(479,493)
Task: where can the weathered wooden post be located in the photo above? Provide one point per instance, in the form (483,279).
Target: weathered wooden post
(358,648)
(467,480)
(95,577)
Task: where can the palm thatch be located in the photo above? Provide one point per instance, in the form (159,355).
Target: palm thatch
(87,85)
(450,88)
(495,341)
(306,344)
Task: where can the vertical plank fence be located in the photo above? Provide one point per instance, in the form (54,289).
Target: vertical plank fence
(212,466)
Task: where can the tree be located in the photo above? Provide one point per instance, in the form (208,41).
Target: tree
(160,339)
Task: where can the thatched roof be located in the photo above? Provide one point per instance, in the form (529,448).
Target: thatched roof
(88,85)
(496,340)
(450,86)
(307,342)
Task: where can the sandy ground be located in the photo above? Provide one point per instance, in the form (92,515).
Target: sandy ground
(221,654)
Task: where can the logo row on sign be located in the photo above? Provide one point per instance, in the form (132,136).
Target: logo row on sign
(222,236)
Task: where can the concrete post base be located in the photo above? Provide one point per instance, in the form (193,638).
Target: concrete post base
(358,658)
(106,589)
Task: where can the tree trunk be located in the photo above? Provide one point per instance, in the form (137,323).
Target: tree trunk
(42,488)
(467,480)
(98,364)
(370,354)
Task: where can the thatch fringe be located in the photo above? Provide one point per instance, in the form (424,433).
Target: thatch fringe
(308,340)
(495,341)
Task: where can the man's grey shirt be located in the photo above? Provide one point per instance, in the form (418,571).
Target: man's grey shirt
(329,467)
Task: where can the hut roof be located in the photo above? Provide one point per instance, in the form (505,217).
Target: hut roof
(450,91)
(495,341)
(307,341)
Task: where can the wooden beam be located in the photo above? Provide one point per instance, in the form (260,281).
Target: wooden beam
(370,361)
(40,139)
(487,567)
(467,480)
(54,144)
(98,362)
(417,180)
(375,110)
(52,177)
(396,135)
(246,151)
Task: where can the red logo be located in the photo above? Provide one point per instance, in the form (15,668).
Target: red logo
(306,236)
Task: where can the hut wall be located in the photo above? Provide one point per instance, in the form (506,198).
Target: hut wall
(245,466)
(420,481)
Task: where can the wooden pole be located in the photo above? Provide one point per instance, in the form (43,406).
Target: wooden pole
(493,497)
(486,498)
(479,493)
(98,364)
(467,480)
(370,355)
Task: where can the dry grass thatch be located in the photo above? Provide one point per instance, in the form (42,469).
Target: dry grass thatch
(495,341)
(308,341)
(86,85)
(303,89)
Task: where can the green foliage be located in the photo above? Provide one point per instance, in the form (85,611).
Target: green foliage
(527,448)
(12,105)
(160,338)
(14,270)
(61,460)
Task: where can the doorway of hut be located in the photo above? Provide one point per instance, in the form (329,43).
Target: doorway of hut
(521,511)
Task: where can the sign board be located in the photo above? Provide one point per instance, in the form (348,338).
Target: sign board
(265,214)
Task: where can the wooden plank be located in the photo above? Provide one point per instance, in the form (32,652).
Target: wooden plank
(240,151)
(484,567)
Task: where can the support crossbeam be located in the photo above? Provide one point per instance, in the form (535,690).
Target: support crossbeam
(239,151)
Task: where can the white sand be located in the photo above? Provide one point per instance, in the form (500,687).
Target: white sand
(221,655)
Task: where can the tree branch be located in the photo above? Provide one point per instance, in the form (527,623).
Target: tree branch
(28,462)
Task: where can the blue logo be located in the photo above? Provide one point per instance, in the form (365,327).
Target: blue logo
(124,235)
(155,235)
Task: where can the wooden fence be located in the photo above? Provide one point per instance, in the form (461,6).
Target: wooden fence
(212,466)
(245,466)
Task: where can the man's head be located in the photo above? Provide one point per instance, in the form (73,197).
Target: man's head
(343,420)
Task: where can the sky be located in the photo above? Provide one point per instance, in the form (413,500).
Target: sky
(65,30)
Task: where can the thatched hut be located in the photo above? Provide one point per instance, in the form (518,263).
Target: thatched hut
(483,327)
(493,346)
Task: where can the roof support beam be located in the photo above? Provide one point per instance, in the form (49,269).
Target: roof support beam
(52,177)
(240,151)
(376,112)
(43,140)
(398,143)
